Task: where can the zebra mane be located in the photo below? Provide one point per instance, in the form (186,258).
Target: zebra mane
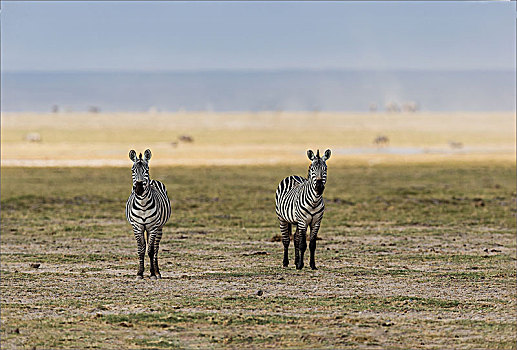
(140,155)
(318,154)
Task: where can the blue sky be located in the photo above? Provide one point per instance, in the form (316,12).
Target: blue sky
(154,36)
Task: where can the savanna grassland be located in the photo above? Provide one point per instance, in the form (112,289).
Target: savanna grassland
(417,245)
(411,255)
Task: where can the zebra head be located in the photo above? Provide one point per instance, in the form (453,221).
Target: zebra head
(140,171)
(318,170)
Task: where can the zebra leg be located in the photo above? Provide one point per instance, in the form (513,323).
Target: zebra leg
(150,252)
(156,248)
(296,247)
(285,230)
(312,245)
(302,243)
(140,240)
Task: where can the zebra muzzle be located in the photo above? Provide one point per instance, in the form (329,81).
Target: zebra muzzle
(139,187)
(320,187)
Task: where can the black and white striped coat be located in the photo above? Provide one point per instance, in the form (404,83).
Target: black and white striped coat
(299,201)
(147,209)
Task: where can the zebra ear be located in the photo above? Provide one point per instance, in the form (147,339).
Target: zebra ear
(327,155)
(147,155)
(310,154)
(132,155)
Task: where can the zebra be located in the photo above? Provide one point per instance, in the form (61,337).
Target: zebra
(147,209)
(299,201)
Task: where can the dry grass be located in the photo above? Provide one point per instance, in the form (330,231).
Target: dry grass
(255,138)
(411,256)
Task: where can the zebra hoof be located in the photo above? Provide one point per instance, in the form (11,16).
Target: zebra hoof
(139,277)
(299,266)
(286,263)
(314,267)
(159,276)
(153,277)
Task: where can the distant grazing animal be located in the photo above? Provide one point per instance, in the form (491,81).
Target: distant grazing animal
(186,138)
(299,201)
(455,145)
(147,209)
(33,137)
(381,141)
